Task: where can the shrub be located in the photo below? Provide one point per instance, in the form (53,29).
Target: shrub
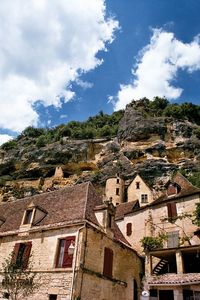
(9,145)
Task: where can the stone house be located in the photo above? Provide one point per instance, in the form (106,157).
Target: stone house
(76,248)
(172,271)
(120,193)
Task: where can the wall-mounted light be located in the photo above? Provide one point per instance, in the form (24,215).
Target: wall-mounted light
(71,248)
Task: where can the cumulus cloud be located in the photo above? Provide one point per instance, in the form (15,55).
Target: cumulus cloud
(45,46)
(157,67)
(5,138)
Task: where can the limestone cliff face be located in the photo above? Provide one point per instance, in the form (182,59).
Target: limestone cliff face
(155,147)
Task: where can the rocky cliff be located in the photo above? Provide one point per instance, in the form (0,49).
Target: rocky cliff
(148,142)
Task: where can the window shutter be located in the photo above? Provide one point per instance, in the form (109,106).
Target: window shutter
(108,262)
(68,258)
(26,254)
(15,253)
(172,211)
(128,229)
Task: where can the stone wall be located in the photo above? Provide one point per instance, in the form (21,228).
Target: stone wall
(151,220)
(127,266)
(51,280)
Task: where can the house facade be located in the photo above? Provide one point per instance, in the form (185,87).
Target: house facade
(173,270)
(73,244)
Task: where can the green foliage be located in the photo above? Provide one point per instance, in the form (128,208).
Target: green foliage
(150,243)
(41,141)
(18,282)
(9,145)
(32,132)
(197,132)
(197,215)
(193,177)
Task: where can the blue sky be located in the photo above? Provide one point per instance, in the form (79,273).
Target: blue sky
(67,60)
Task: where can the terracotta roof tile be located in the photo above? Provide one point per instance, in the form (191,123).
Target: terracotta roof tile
(186,189)
(125,208)
(174,279)
(70,204)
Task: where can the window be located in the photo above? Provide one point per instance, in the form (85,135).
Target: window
(128,229)
(173,239)
(117,191)
(172,211)
(137,185)
(117,180)
(144,198)
(108,262)
(52,297)
(64,257)
(28,216)
(21,254)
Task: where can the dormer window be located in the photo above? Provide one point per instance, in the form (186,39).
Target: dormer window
(28,216)
(33,215)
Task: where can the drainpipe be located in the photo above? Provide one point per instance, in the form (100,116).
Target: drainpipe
(75,260)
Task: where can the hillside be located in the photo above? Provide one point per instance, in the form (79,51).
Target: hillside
(154,138)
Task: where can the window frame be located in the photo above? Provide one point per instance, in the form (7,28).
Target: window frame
(144,198)
(129,229)
(66,255)
(21,259)
(137,185)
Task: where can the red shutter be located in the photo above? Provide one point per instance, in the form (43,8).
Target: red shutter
(15,253)
(172,211)
(26,254)
(128,229)
(169,210)
(108,262)
(68,259)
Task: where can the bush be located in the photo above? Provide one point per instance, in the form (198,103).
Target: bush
(32,132)
(9,145)
(41,141)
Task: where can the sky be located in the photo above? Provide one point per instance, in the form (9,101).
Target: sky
(67,60)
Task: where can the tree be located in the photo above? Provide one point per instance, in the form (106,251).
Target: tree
(18,281)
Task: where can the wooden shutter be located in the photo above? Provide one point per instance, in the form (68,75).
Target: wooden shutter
(108,262)
(68,258)
(128,229)
(15,253)
(172,211)
(26,254)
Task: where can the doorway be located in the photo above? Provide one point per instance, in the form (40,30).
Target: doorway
(166,295)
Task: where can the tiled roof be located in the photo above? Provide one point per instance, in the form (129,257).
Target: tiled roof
(67,205)
(174,279)
(125,208)
(186,189)
(119,236)
(70,204)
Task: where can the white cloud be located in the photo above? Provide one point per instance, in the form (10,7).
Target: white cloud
(5,138)
(157,67)
(84,84)
(46,45)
